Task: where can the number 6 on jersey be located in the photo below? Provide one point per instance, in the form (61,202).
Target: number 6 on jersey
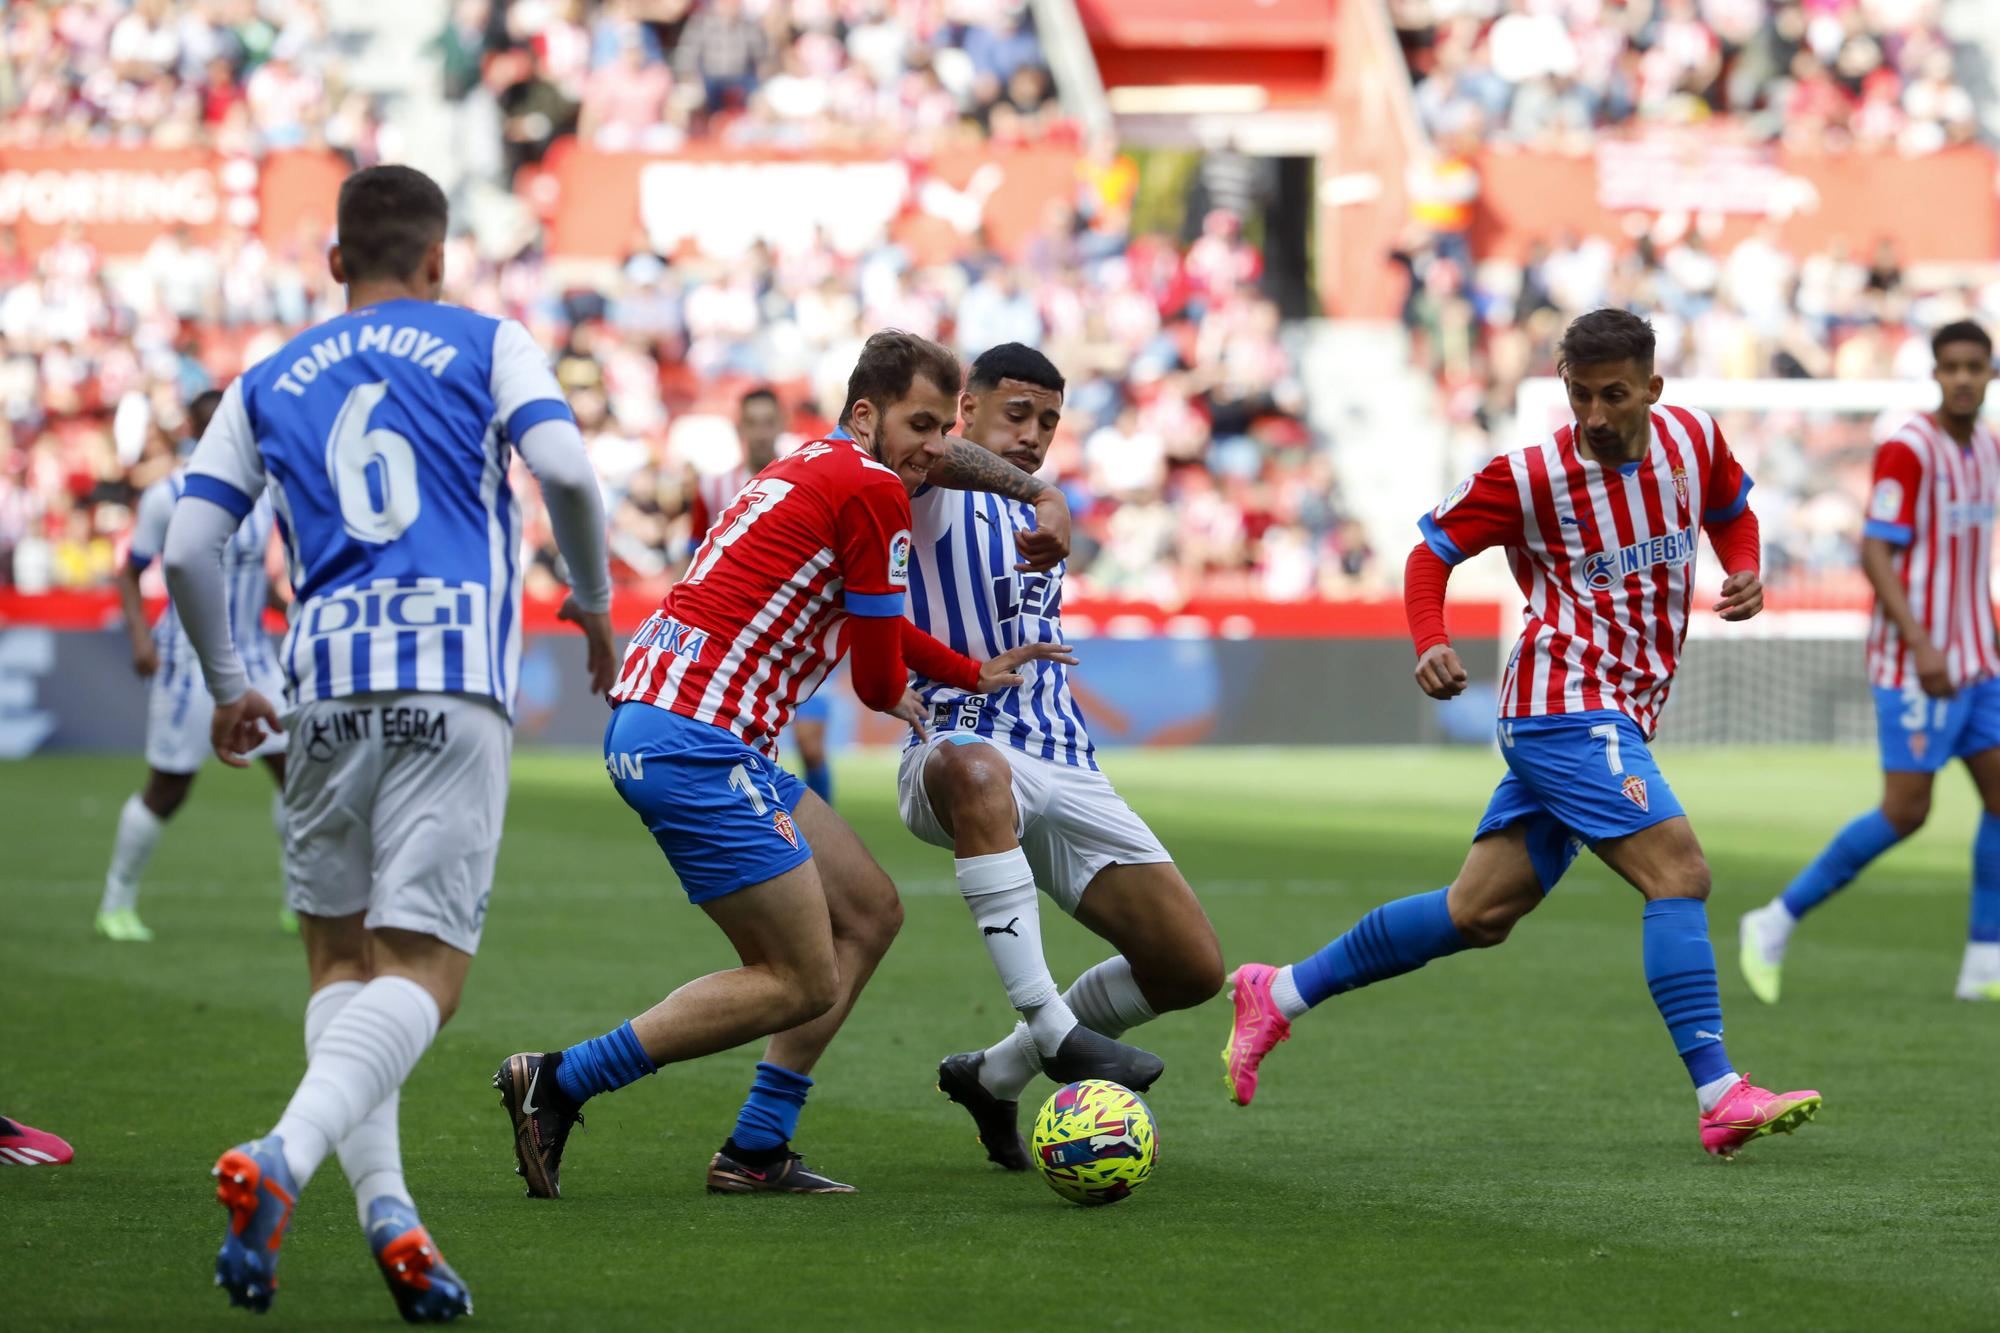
(374,472)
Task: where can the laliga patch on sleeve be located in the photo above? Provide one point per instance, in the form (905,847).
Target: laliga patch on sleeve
(1463,489)
(1886,504)
(899,559)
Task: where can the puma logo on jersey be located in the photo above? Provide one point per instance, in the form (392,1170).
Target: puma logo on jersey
(1007,929)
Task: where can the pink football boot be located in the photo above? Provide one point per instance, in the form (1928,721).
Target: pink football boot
(22,1146)
(1749,1112)
(1258,1027)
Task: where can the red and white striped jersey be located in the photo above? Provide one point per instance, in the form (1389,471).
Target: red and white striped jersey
(1604,556)
(754,626)
(1935,500)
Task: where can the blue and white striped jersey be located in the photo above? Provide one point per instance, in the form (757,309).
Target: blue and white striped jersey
(242,572)
(965,591)
(384,436)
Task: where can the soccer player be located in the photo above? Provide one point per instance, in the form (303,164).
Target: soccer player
(1009,782)
(1599,524)
(178,708)
(809,563)
(384,438)
(760,421)
(1927,548)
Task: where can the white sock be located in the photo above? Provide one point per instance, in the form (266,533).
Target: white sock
(365,1053)
(372,1153)
(1982,961)
(1000,890)
(1285,994)
(1710,1095)
(1011,1065)
(1106,999)
(138,833)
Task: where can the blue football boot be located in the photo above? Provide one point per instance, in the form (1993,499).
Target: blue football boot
(254,1184)
(426,1289)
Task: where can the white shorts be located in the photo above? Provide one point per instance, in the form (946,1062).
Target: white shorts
(1071,821)
(393,807)
(178,709)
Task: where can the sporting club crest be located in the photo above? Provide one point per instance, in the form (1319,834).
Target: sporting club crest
(1919,742)
(786,828)
(1681,486)
(1634,788)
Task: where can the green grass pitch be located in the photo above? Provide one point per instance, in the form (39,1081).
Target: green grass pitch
(1502,1140)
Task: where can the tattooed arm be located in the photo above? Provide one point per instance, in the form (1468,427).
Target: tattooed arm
(967,467)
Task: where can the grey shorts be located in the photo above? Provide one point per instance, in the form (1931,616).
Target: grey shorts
(393,807)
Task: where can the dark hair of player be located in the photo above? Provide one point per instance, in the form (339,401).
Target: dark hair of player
(1013,361)
(389,218)
(762,392)
(201,408)
(891,360)
(1960,331)
(1603,336)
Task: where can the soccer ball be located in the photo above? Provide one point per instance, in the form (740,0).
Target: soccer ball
(1094,1142)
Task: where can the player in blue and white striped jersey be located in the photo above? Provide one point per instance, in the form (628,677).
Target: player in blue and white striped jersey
(178,706)
(1010,781)
(383,438)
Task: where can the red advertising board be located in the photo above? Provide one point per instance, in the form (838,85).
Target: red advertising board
(126,198)
(1939,208)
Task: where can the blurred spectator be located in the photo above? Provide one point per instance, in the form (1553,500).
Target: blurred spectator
(724,50)
(1874,74)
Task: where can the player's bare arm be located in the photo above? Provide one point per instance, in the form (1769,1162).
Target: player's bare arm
(1878,562)
(965,466)
(145,655)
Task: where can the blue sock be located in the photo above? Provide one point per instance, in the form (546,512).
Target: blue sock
(770,1116)
(1680,971)
(603,1063)
(819,777)
(1851,849)
(1985,924)
(1395,938)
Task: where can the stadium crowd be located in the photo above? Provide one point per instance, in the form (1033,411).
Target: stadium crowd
(1183,447)
(1817,73)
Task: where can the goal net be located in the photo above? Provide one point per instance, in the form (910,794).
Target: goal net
(1795,675)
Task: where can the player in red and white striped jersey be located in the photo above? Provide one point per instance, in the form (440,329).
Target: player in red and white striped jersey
(1600,524)
(808,563)
(1927,548)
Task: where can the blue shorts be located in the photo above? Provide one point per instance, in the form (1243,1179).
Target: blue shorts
(1575,779)
(721,811)
(1920,734)
(816,709)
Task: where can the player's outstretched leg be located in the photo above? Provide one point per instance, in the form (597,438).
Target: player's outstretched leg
(140,822)
(1497,886)
(1168,959)
(1765,933)
(790,975)
(865,914)
(1664,862)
